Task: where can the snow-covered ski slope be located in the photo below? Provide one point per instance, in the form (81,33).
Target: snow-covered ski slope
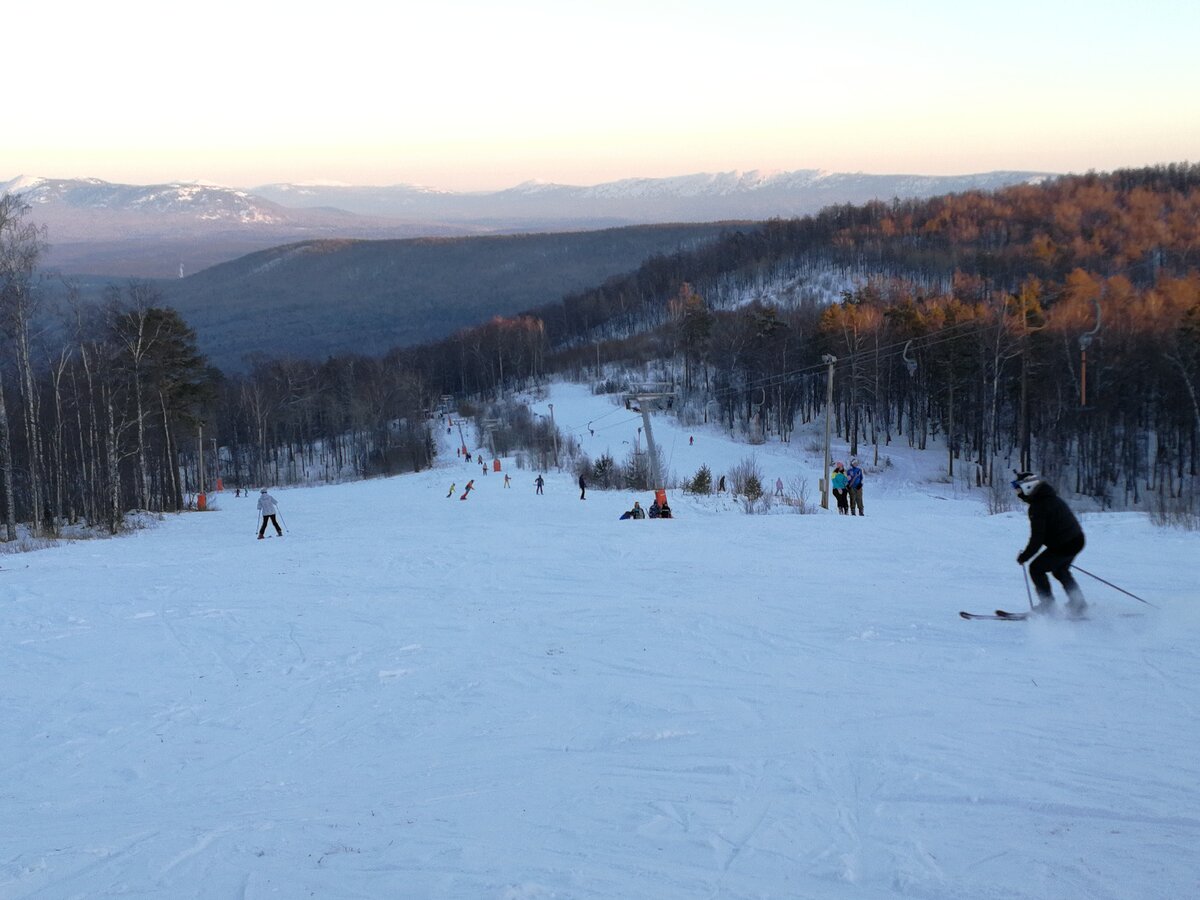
(521,697)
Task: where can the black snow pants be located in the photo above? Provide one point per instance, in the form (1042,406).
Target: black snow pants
(1056,562)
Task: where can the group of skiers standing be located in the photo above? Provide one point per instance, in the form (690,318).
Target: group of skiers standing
(847,487)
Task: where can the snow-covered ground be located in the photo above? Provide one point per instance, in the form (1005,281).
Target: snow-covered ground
(521,697)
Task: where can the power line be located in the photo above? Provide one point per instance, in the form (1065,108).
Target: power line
(887,351)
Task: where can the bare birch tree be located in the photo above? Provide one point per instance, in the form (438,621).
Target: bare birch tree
(21,242)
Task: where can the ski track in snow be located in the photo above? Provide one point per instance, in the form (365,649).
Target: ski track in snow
(520,697)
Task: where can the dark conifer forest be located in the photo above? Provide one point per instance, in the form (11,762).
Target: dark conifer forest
(1053,326)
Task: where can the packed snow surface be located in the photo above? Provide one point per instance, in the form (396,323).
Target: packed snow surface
(521,697)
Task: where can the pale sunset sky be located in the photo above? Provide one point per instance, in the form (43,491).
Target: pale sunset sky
(484,95)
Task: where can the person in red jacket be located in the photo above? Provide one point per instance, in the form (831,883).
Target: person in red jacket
(1053,526)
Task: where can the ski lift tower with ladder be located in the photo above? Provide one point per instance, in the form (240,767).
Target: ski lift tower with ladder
(658,395)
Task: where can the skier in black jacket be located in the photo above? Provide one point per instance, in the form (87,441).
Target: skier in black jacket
(1051,525)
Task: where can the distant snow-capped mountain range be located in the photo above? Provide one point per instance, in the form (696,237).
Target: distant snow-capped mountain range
(56,198)
(97,227)
(702,197)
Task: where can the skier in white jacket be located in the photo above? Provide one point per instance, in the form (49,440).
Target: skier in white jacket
(268,506)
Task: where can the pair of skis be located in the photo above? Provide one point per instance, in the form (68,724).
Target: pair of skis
(1005,616)
(1000,614)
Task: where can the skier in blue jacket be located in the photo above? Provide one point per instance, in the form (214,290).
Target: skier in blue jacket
(854,484)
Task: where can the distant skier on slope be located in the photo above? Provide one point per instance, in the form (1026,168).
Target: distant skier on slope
(540,482)
(470,487)
(1051,525)
(450,493)
(269,507)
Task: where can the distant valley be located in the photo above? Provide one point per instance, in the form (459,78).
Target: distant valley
(321,298)
(156,231)
(119,231)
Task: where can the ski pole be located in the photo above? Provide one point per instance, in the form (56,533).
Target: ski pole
(1113,586)
(1028,592)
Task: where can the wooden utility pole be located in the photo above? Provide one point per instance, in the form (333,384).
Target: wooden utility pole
(829,360)
(1085,341)
(950,430)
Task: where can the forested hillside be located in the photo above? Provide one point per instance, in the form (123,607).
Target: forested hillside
(1054,326)
(321,298)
